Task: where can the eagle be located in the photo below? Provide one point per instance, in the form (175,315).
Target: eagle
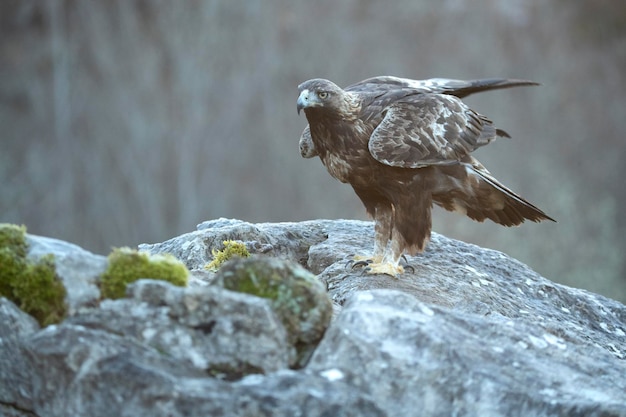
(403,145)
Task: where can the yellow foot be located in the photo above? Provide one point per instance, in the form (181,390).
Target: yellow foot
(385,268)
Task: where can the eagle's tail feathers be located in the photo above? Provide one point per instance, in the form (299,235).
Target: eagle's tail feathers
(515,209)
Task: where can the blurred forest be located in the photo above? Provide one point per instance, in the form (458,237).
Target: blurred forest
(131,121)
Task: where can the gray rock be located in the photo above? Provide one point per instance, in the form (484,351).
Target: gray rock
(221,332)
(80,371)
(64,359)
(282,240)
(78,268)
(473,280)
(487,286)
(9,411)
(15,378)
(295,295)
(409,356)
(466,331)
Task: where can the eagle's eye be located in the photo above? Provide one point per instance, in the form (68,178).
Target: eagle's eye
(322,94)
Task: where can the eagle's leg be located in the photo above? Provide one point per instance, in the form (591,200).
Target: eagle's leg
(382,232)
(390,264)
(383,218)
(411,229)
(387,254)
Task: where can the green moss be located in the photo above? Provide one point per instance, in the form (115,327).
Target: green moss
(42,293)
(12,257)
(13,238)
(231,250)
(127,265)
(11,269)
(299,300)
(33,286)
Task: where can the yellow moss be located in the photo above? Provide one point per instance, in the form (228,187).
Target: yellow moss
(33,286)
(127,265)
(231,249)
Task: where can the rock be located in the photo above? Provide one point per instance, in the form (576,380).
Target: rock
(282,240)
(488,286)
(409,355)
(295,295)
(65,358)
(82,371)
(466,331)
(220,332)
(15,375)
(78,269)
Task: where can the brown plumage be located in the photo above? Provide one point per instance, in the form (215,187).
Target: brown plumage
(403,144)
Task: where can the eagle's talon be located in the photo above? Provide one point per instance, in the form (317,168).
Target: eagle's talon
(360,264)
(406,264)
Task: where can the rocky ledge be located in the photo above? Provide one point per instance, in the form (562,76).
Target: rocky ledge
(467,332)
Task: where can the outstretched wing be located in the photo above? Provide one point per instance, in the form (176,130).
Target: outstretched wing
(429,129)
(458,88)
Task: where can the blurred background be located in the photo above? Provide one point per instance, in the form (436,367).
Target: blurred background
(131,121)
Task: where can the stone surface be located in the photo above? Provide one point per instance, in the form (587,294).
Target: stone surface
(15,375)
(466,332)
(78,268)
(295,295)
(469,281)
(223,333)
(409,355)
(66,358)
(79,371)
(282,240)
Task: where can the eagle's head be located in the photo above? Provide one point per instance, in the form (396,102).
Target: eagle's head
(325,96)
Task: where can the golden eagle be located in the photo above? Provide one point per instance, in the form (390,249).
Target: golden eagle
(403,144)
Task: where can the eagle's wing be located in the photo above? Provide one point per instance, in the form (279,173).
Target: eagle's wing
(429,129)
(307,148)
(383,84)
(458,88)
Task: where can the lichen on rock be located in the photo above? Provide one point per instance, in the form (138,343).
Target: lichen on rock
(296,296)
(128,265)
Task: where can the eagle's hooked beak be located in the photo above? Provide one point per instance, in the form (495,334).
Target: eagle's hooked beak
(303,100)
